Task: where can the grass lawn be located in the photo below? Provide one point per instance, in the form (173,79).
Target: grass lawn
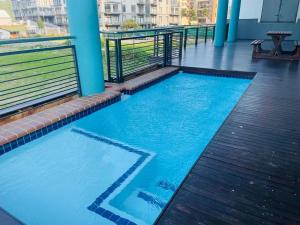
(6,5)
(20,82)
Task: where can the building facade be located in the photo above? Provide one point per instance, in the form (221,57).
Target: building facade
(204,11)
(113,13)
(33,10)
(60,13)
(50,11)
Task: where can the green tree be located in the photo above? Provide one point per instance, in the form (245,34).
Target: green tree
(129,24)
(40,24)
(205,12)
(189,12)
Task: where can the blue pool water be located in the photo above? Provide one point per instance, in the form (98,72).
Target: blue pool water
(121,164)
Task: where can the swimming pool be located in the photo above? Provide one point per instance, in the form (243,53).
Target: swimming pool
(122,164)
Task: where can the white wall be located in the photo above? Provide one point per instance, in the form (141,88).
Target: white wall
(251,9)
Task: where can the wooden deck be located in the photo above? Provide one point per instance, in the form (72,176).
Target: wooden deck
(250,171)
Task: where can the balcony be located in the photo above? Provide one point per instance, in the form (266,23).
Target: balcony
(140,2)
(112,23)
(114,12)
(140,13)
(153,12)
(153,2)
(174,11)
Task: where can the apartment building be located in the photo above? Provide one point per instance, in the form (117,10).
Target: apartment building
(60,12)
(206,11)
(168,12)
(202,11)
(114,12)
(33,10)
(152,13)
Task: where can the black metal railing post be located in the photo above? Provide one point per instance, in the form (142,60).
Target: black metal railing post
(120,60)
(166,49)
(206,31)
(156,43)
(180,47)
(108,65)
(170,51)
(76,69)
(214,31)
(118,52)
(185,37)
(197,36)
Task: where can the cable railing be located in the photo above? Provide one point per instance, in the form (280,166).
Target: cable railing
(192,34)
(130,56)
(34,71)
(37,70)
(139,32)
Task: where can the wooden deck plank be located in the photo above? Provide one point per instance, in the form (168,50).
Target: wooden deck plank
(250,171)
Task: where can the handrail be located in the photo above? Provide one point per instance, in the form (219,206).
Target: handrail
(29,78)
(156,29)
(30,40)
(125,59)
(140,30)
(138,37)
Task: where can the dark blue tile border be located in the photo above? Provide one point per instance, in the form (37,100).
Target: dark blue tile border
(43,131)
(167,186)
(151,200)
(96,205)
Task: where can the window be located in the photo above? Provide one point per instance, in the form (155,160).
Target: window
(115,7)
(107,8)
(123,8)
(133,8)
(279,11)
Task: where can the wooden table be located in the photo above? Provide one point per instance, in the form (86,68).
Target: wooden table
(278,37)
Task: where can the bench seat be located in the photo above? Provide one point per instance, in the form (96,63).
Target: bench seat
(257,42)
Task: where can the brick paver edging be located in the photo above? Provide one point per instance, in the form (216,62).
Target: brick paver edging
(24,130)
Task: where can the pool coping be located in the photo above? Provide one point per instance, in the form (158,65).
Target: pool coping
(21,131)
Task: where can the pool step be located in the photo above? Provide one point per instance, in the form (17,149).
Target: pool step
(7,219)
(151,199)
(166,185)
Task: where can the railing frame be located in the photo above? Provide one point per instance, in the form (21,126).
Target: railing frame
(52,95)
(167,52)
